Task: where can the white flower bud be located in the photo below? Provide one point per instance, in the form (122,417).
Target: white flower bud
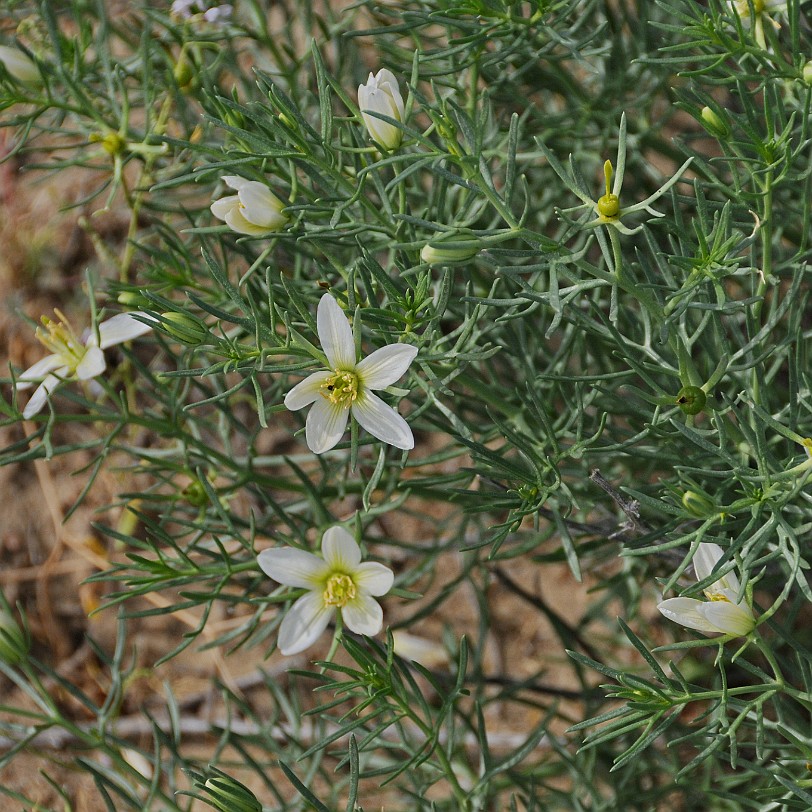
(440,255)
(18,65)
(255,210)
(381,95)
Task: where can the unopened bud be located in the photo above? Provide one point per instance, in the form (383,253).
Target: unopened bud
(807,72)
(184,73)
(18,65)
(714,123)
(439,254)
(131,298)
(195,494)
(112,143)
(229,795)
(185,327)
(698,504)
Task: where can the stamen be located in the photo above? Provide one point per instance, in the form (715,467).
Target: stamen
(340,388)
(339,590)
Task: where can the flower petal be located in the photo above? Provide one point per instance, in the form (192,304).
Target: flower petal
(373,578)
(120,328)
(325,424)
(387,81)
(340,550)
(236,182)
(384,366)
(40,370)
(382,421)
(685,611)
(304,623)
(292,567)
(41,393)
(236,222)
(335,334)
(91,365)
(222,207)
(363,615)
(306,392)
(261,206)
(728,618)
(705,559)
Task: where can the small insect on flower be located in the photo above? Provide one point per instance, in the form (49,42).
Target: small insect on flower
(335,581)
(348,385)
(255,210)
(74,358)
(381,94)
(724,612)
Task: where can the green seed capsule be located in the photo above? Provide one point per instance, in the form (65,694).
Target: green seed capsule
(609,205)
(691,399)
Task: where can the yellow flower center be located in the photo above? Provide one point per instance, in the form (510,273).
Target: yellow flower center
(339,590)
(59,338)
(341,388)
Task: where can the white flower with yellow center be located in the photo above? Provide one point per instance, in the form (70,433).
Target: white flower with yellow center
(336,581)
(381,94)
(255,210)
(723,612)
(74,358)
(347,387)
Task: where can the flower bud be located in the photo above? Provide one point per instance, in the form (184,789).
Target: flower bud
(807,72)
(229,795)
(714,123)
(691,399)
(112,143)
(18,65)
(13,640)
(195,494)
(381,94)
(184,73)
(255,210)
(131,298)
(438,254)
(698,504)
(185,327)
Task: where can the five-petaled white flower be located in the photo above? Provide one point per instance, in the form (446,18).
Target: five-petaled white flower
(335,581)
(381,94)
(724,612)
(255,210)
(74,358)
(347,386)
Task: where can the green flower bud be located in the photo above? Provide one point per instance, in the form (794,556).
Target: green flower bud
(111,143)
(229,795)
(184,73)
(438,254)
(807,72)
(714,123)
(130,298)
(195,494)
(698,504)
(13,640)
(691,399)
(185,327)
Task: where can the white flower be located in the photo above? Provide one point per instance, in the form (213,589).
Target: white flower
(254,210)
(73,358)
(347,386)
(381,95)
(762,9)
(336,580)
(723,612)
(18,65)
